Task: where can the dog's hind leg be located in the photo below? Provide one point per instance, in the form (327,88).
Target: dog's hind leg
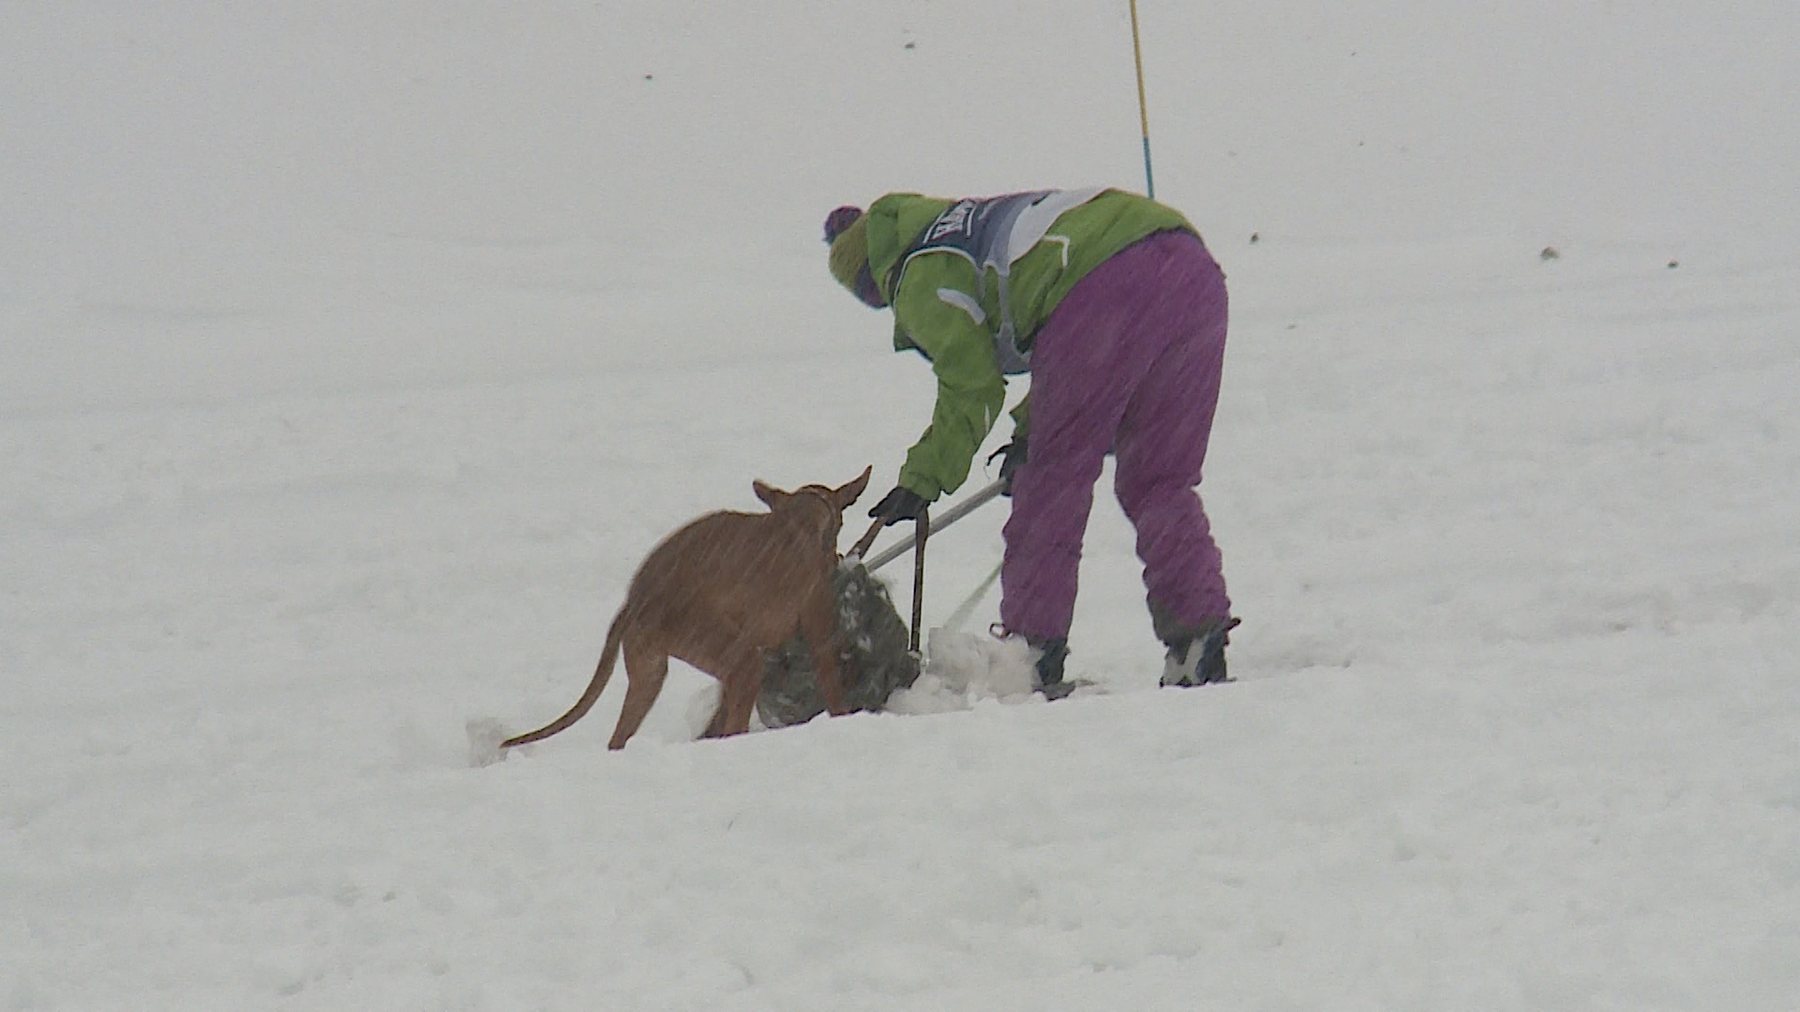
(646,668)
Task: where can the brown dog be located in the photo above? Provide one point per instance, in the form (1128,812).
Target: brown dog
(717,594)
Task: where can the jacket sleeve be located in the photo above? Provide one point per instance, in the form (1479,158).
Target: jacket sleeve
(938,311)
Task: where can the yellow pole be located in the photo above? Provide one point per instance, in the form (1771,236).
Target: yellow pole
(1137,52)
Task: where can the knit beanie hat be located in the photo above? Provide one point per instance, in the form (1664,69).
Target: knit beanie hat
(847,230)
(839,219)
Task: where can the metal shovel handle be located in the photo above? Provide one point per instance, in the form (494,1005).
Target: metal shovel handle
(861,547)
(921,531)
(950,516)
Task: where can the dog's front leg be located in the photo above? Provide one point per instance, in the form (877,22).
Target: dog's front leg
(738,696)
(739,669)
(819,625)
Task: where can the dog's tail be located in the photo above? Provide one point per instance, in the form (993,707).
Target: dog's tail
(608,657)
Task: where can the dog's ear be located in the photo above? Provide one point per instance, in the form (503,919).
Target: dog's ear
(769,494)
(847,494)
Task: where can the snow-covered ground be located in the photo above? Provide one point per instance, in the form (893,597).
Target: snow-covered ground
(352,356)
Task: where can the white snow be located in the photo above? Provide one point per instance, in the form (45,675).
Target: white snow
(353,355)
(963,669)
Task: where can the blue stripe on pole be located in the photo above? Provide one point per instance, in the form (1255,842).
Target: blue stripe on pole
(1149,180)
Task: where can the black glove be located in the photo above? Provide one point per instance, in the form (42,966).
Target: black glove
(900,504)
(1013,458)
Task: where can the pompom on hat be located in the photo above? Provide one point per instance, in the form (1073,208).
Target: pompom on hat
(847,230)
(840,220)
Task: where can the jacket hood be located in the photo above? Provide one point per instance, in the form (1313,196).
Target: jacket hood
(895,222)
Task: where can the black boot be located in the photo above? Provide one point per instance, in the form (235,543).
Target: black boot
(1050,654)
(1196,653)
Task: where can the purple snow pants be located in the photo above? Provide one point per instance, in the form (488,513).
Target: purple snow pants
(1130,360)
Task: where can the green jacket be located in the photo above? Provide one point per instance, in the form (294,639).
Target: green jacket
(935,296)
